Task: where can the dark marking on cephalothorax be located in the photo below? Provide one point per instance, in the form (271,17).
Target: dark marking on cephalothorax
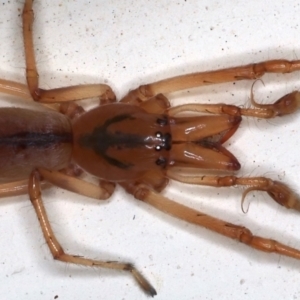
(26,140)
(100,140)
(117,119)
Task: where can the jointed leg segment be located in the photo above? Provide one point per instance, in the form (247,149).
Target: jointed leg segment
(75,185)
(183,82)
(239,233)
(286,105)
(278,191)
(58,252)
(17,188)
(58,95)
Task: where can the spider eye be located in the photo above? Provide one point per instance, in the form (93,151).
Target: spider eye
(161,161)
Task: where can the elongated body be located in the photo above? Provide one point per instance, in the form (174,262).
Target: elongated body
(139,143)
(114,142)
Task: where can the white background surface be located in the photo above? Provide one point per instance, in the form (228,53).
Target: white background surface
(125,44)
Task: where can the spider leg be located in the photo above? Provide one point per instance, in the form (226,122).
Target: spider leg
(58,95)
(239,233)
(17,188)
(57,250)
(15,89)
(278,191)
(183,82)
(76,185)
(286,105)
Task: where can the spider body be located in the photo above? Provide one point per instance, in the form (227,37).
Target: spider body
(139,142)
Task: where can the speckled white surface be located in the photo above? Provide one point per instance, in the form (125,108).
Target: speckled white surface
(125,44)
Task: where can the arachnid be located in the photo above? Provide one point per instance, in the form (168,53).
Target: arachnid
(138,143)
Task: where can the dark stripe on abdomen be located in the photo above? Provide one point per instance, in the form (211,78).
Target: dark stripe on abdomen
(35,139)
